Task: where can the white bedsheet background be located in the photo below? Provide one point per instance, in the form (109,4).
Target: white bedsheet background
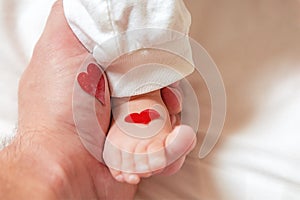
(256,45)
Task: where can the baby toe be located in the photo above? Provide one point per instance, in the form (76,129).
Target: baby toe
(131,178)
(156,156)
(128,162)
(117,175)
(141,159)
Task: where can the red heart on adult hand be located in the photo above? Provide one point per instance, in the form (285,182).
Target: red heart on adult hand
(93,82)
(145,117)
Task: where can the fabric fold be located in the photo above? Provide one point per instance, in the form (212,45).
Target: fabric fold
(115,31)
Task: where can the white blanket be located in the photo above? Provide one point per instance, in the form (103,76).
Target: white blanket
(256,46)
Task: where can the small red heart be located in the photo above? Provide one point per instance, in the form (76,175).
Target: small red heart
(145,117)
(93,82)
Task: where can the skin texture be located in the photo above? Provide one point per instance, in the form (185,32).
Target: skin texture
(162,150)
(47,160)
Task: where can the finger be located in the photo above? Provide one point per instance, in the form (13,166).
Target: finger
(85,106)
(112,156)
(117,159)
(173,99)
(58,36)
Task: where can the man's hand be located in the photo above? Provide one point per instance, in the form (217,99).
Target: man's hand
(47,157)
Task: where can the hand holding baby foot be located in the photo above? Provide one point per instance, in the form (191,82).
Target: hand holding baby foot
(47,150)
(135,149)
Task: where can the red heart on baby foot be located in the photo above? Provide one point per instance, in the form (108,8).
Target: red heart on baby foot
(93,82)
(144,117)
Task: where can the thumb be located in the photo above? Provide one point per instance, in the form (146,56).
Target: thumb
(57,39)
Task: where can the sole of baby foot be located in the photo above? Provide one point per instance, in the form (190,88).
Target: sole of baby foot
(128,164)
(130,157)
(163,156)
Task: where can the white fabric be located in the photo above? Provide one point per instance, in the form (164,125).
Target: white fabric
(112,28)
(256,46)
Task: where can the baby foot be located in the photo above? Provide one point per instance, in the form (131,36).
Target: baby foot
(141,141)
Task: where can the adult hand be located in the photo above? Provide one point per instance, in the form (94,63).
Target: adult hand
(47,159)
